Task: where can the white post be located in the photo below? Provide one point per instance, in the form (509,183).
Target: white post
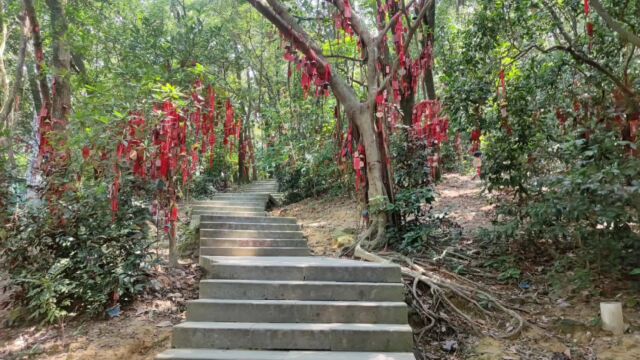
(611,315)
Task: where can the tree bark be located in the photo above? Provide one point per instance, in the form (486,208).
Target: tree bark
(624,33)
(10,96)
(61,59)
(38,51)
(430,21)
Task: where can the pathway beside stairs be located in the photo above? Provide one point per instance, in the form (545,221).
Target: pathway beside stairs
(266,298)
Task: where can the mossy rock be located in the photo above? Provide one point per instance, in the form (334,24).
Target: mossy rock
(344,237)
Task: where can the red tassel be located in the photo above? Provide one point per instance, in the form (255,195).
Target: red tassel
(587,8)
(503,83)
(86,152)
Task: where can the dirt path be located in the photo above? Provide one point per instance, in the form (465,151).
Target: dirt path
(462,199)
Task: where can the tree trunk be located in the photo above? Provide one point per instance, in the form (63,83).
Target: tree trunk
(10,94)
(38,52)
(430,21)
(377,194)
(61,105)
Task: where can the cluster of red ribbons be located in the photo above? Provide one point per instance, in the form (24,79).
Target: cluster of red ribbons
(475,140)
(359,161)
(177,140)
(502,95)
(312,74)
(561,116)
(229,123)
(343,19)
(427,123)
(430,127)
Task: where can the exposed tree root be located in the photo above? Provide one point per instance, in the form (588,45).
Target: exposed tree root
(374,236)
(449,290)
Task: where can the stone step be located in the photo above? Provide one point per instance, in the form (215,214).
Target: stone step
(228,208)
(250,234)
(239,242)
(247,226)
(300,290)
(254,251)
(229,213)
(248,219)
(275,336)
(245,196)
(298,268)
(297,311)
(231,202)
(207,354)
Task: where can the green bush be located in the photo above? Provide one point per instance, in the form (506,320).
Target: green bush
(70,257)
(316,174)
(586,201)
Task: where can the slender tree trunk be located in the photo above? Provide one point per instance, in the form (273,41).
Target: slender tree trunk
(33,176)
(430,21)
(61,59)
(10,94)
(38,52)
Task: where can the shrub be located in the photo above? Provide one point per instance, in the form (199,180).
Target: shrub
(70,257)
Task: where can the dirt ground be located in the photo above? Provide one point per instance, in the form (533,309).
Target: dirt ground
(559,327)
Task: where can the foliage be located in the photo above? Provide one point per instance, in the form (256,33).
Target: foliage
(558,143)
(80,262)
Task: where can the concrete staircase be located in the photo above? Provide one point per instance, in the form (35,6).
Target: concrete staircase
(266,298)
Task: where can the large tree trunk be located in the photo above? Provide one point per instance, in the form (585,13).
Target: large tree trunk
(377,194)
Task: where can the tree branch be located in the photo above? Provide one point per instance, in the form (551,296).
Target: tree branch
(392,22)
(613,24)
(301,40)
(337,56)
(357,24)
(412,31)
(580,56)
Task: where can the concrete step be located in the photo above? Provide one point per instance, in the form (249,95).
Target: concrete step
(254,251)
(228,208)
(231,202)
(229,213)
(244,196)
(247,226)
(206,354)
(298,268)
(274,336)
(239,242)
(300,290)
(250,234)
(297,311)
(248,219)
